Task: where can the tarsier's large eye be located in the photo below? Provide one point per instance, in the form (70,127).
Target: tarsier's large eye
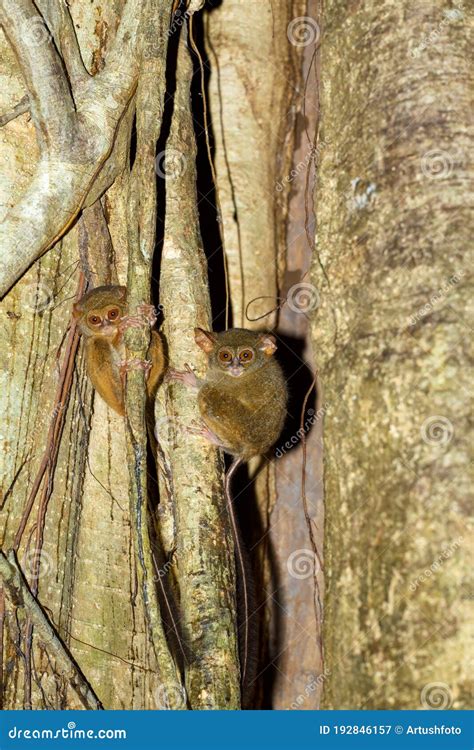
(225,355)
(94,320)
(113,314)
(246,355)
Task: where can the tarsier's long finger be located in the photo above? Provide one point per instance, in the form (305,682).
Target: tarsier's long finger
(200,429)
(187,376)
(148,312)
(135,364)
(130,321)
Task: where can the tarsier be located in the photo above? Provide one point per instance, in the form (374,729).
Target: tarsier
(242,402)
(102,316)
(242,399)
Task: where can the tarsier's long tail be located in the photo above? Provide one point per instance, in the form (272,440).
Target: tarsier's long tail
(241,564)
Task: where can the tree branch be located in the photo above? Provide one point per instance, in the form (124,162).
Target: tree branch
(74,146)
(141,224)
(21,595)
(60,22)
(204,545)
(19,109)
(51,103)
(123,61)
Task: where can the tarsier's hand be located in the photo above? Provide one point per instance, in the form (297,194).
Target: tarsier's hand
(148,312)
(146,316)
(186,376)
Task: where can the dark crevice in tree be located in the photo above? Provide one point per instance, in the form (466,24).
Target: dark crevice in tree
(253,528)
(160,166)
(133,143)
(206,197)
(207,204)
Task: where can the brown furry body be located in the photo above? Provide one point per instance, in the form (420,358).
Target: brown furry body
(105,348)
(247,414)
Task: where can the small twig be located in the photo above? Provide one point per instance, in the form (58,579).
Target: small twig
(21,596)
(19,109)
(57,423)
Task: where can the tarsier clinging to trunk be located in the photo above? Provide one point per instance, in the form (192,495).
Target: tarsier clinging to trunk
(102,316)
(242,402)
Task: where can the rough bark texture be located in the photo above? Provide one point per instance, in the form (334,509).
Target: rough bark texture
(251,95)
(391,335)
(87,571)
(298,577)
(204,551)
(263,131)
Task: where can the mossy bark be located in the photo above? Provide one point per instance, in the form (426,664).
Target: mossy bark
(393,237)
(87,580)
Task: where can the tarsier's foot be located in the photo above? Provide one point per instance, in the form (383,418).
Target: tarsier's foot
(186,376)
(202,430)
(135,364)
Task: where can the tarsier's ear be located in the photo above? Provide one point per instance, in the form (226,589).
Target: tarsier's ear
(76,310)
(267,344)
(122,290)
(204,339)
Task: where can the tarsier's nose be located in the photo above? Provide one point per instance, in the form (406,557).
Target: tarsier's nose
(235,369)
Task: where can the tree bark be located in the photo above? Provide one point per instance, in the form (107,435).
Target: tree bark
(84,567)
(392,237)
(260,60)
(204,550)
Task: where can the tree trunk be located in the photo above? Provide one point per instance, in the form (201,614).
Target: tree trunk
(259,60)
(83,542)
(391,336)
